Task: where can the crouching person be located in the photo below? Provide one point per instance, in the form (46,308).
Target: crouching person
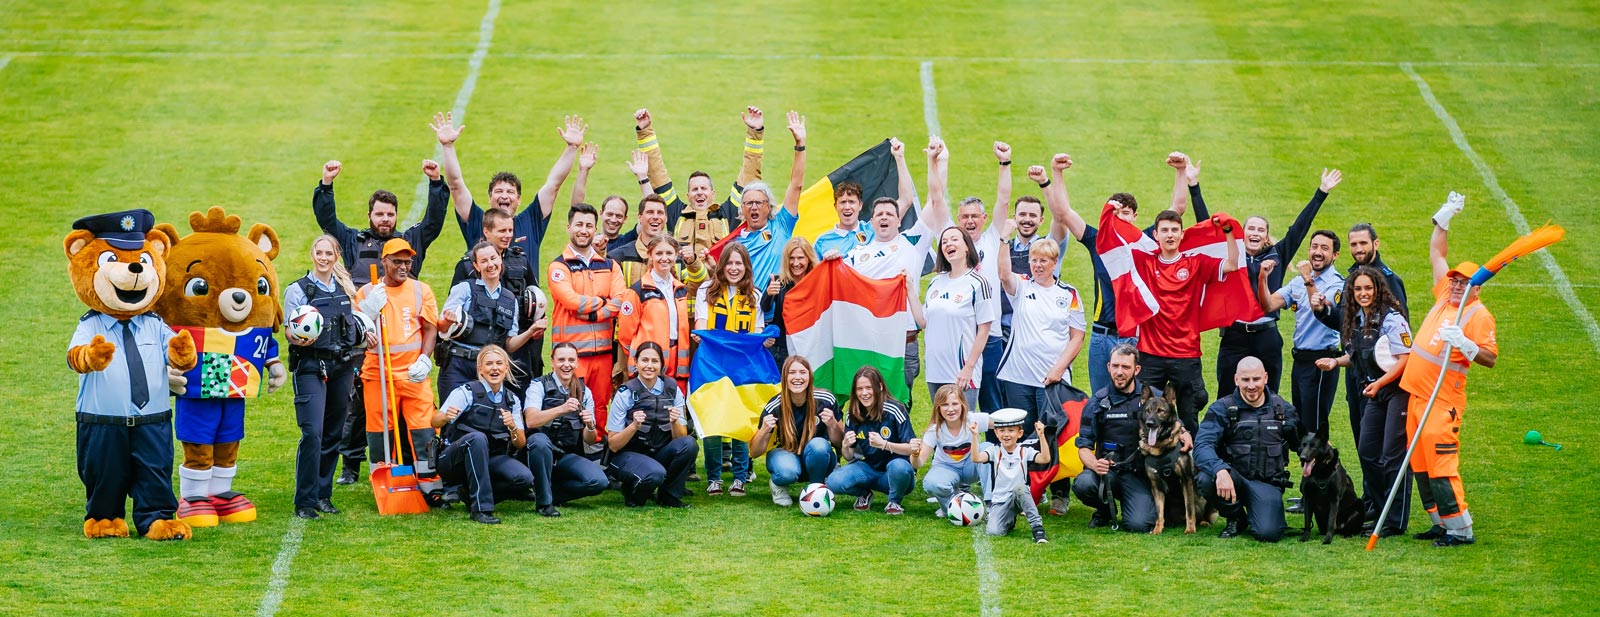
(1242,451)
(648,435)
(563,444)
(481,430)
(1008,475)
(1108,439)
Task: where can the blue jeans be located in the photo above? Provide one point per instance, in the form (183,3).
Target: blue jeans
(1100,346)
(815,461)
(989,388)
(943,478)
(741,459)
(860,479)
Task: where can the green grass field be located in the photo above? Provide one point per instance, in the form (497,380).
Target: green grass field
(178,106)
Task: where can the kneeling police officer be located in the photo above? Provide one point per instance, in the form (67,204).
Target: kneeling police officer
(1108,444)
(481,430)
(562,453)
(1242,453)
(649,436)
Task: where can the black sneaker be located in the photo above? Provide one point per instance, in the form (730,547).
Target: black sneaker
(1295,507)
(671,502)
(1233,529)
(1433,533)
(326,507)
(307,513)
(1453,540)
(1038,536)
(1390,532)
(348,477)
(549,511)
(1100,519)
(487,518)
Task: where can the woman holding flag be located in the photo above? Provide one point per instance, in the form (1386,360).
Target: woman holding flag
(803,423)
(730,302)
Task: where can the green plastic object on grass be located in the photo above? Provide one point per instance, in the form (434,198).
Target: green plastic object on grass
(1533,438)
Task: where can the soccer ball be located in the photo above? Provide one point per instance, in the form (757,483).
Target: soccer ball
(305,323)
(816,500)
(964,509)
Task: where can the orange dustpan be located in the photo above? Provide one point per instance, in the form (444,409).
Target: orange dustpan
(393,486)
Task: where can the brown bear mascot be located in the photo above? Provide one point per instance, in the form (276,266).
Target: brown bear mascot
(222,290)
(121,352)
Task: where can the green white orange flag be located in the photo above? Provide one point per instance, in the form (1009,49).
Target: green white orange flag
(842,321)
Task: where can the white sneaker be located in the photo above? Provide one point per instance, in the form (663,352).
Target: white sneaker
(864,502)
(780,495)
(938,513)
(714,488)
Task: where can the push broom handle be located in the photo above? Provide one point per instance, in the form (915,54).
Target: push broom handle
(383,374)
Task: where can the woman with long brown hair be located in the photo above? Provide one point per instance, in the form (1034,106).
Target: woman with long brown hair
(803,423)
(729,301)
(878,440)
(798,261)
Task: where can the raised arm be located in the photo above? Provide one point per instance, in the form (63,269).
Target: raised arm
(323,206)
(639,166)
(447,134)
(1056,205)
(1439,244)
(1296,235)
(797,172)
(433,217)
(1180,183)
(908,187)
(1231,262)
(1002,194)
(650,144)
(1269,301)
(1008,279)
(587,155)
(754,147)
(937,214)
(571,131)
(1055,195)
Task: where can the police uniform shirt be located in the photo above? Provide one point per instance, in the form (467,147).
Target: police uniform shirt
(619,416)
(1045,316)
(842,240)
(894,427)
(108,392)
(1309,333)
(460,295)
(1396,328)
(294,297)
(527,231)
(1010,468)
(461,399)
(766,244)
(536,395)
(1095,416)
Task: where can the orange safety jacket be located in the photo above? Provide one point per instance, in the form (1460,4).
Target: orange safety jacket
(644,318)
(585,295)
(1422,370)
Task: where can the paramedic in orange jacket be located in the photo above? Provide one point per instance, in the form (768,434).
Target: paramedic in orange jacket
(1436,462)
(410,314)
(656,309)
(585,295)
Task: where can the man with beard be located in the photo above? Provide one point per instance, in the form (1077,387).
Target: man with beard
(702,219)
(1313,340)
(1260,338)
(361,250)
(585,295)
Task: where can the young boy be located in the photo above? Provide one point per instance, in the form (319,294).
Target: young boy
(1008,478)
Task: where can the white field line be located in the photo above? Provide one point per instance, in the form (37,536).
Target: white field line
(459,111)
(1562,284)
(930,99)
(290,546)
(988,577)
(552,56)
(4,60)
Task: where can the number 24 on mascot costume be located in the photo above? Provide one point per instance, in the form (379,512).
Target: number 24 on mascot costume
(222,290)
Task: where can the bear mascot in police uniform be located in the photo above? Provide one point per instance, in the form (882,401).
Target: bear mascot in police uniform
(121,352)
(222,290)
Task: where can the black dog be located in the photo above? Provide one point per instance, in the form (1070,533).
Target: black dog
(1165,463)
(1326,491)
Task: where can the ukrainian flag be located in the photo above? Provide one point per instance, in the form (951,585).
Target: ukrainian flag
(730,381)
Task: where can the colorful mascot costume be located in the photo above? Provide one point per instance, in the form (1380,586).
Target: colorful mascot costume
(222,290)
(121,352)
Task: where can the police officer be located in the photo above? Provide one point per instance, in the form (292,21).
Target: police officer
(563,452)
(1108,444)
(1242,452)
(649,436)
(324,374)
(481,430)
(362,249)
(478,313)
(1315,290)
(519,278)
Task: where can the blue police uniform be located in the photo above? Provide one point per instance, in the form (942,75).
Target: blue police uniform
(1111,428)
(477,450)
(653,462)
(1312,389)
(494,319)
(563,467)
(1253,445)
(324,377)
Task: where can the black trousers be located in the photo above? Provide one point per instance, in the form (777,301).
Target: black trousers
(468,462)
(1185,375)
(1261,503)
(353,438)
(1131,489)
(560,478)
(662,473)
(1381,445)
(1313,390)
(116,462)
(1265,345)
(1356,403)
(321,404)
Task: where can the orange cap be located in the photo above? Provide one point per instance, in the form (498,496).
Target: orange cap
(397,245)
(1464,269)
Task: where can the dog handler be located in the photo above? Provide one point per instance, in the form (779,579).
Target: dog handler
(1242,451)
(1108,445)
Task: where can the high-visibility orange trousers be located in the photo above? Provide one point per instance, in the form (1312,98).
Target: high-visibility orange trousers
(415,400)
(1437,460)
(596,374)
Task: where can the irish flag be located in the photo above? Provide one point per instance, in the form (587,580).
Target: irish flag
(842,321)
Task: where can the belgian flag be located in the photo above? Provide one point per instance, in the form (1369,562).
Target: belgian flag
(874,170)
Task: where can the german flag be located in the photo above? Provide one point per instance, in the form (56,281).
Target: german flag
(874,170)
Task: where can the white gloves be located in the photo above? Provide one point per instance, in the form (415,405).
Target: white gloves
(377,296)
(276,376)
(419,370)
(1452,206)
(1458,339)
(176,382)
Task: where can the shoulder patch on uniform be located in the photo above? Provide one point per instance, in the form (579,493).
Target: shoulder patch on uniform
(558,275)
(1405,339)
(627,308)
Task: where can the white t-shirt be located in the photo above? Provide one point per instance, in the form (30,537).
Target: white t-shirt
(1010,468)
(905,253)
(954,308)
(1042,318)
(988,245)
(954,449)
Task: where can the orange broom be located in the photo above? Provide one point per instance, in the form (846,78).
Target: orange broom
(393,486)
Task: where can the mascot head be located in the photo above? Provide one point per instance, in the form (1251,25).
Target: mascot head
(117,262)
(219,279)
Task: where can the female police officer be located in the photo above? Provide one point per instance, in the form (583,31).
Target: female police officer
(646,431)
(559,453)
(480,431)
(479,312)
(324,372)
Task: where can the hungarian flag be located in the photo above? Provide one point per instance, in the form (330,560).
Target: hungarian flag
(730,380)
(1123,246)
(874,170)
(1062,415)
(842,321)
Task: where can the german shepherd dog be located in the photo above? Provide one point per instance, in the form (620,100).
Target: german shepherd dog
(1327,494)
(1165,463)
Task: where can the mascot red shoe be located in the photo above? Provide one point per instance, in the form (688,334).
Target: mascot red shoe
(222,290)
(121,353)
